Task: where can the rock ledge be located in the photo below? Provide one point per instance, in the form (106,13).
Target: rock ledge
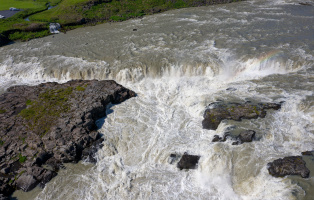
(50,124)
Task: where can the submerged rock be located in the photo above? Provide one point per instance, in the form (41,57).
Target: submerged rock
(247,136)
(308,153)
(293,165)
(244,136)
(305,4)
(218,111)
(217,138)
(50,124)
(188,161)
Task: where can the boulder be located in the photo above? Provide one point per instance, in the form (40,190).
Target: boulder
(246,136)
(26,182)
(188,161)
(218,111)
(293,165)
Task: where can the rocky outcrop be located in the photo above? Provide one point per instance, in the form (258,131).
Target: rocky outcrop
(293,165)
(50,124)
(188,161)
(218,111)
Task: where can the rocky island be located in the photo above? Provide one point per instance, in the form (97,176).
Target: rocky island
(49,124)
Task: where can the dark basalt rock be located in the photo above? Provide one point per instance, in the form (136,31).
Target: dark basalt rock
(2,197)
(188,161)
(244,136)
(89,153)
(54,164)
(293,165)
(50,124)
(221,139)
(218,111)
(173,158)
(308,153)
(26,182)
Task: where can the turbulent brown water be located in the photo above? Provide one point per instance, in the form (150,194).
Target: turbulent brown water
(178,62)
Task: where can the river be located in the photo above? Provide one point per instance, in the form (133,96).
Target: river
(178,62)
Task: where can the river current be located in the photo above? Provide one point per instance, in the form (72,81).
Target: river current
(178,62)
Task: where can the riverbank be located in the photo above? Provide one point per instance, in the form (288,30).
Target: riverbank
(74,14)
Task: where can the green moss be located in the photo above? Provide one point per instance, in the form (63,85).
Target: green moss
(2,111)
(256,110)
(28,102)
(22,159)
(80,88)
(1,142)
(41,114)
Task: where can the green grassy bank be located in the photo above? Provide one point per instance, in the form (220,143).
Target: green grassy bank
(76,13)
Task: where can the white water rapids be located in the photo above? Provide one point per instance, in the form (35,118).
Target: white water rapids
(178,62)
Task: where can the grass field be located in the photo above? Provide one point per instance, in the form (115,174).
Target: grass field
(21,4)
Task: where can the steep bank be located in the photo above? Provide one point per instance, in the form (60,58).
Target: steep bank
(50,124)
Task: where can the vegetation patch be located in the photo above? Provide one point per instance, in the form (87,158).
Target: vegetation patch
(22,159)
(2,111)
(21,4)
(42,113)
(81,88)
(28,102)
